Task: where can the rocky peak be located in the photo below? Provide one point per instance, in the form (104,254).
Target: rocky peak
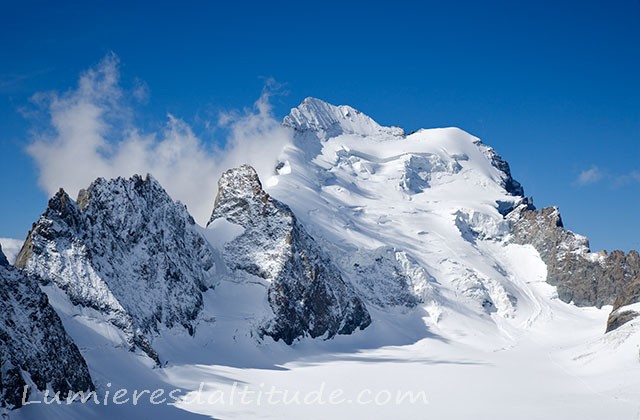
(127,250)
(306,291)
(240,196)
(331,121)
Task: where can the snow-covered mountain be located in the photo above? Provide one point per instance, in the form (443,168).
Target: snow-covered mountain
(127,251)
(425,198)
(35,350)
(387,258)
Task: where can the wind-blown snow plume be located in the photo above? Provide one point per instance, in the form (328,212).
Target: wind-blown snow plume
(91,132)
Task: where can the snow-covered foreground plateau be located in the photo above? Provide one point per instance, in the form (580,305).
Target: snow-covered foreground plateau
(559,366)
(393,268)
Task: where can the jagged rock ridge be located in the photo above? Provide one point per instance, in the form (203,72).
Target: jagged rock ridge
(512,186)
(307,293)
(34,347)
(127,250)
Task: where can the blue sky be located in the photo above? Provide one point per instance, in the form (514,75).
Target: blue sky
(553,86)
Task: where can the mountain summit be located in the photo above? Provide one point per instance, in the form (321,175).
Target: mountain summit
(330,120)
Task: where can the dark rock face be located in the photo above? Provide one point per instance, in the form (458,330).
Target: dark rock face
(3,259)
(33,341)
(127,250)
(582,277)
(307,293)
(621,313)
(512,186)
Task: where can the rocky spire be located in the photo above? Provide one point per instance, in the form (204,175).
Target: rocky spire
(306,293)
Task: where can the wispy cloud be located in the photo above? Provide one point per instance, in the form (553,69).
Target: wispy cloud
(594,175)
(632,177)
(90,132)
(589,176)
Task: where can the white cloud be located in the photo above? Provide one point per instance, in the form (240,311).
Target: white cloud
(589,176)
(90,132)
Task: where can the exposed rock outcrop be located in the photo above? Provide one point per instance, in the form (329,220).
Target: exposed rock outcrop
(581,277)
(512,186)
(626,307)
(307,293)
(35,349)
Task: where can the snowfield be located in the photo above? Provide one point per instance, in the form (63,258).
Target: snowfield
(463,323)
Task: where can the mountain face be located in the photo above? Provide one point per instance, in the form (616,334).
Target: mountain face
(35,350)
(126,250)
(390,220)
(357,166)
(306,291)
(401,214)
(383,233)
